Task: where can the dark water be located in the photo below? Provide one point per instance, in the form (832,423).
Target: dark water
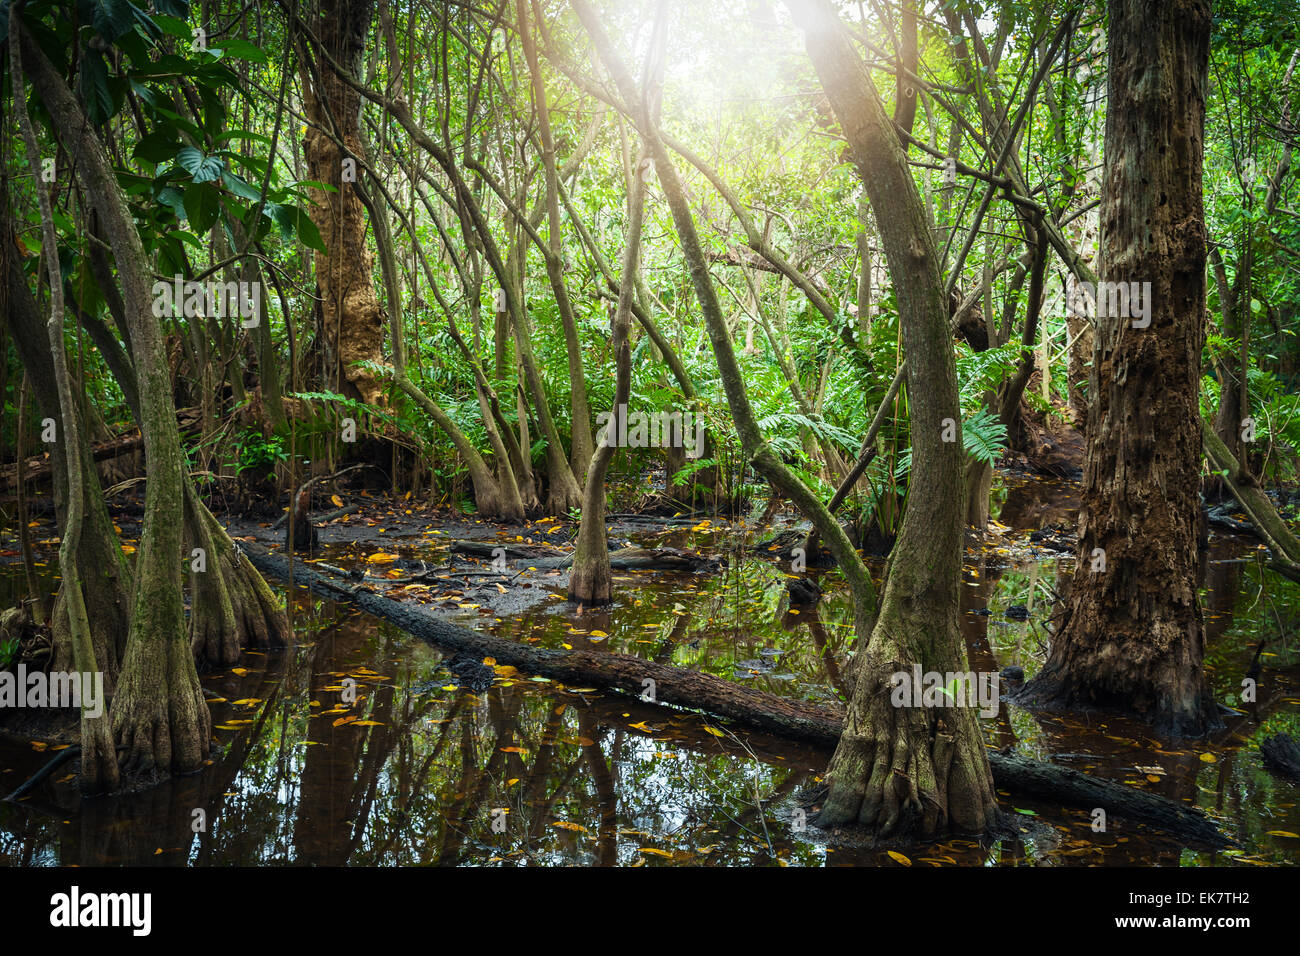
(420,770)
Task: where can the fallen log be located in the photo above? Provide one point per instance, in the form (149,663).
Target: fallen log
(760,710)
(1267,523)
(1281,755)
(37,467)
(620,559)
(39,777)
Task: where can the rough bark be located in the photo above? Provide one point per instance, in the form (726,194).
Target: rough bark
(1133,640)
(351,319)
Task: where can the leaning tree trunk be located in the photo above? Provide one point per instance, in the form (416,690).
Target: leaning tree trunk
(589,581)
(158,712)
(98,755)
(103,568)
(352,322)
(1133,640)
(906,771)
(579,412)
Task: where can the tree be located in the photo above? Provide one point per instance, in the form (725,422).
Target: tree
(914,771)
(351,327)
(1133,638)
(158,712)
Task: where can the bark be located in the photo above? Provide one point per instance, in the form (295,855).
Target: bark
(98,756)
(581,447)
(351,319)
(589,582)
(231,607)
(102,567)
(909,771)
(158,712)
(1133,640)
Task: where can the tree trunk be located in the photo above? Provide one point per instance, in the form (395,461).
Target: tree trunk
(589,581)
(1133,640)
(351,320)
(98,755)
(906,771)
(158,712)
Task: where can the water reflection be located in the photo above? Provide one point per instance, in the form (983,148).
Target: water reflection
(360,747)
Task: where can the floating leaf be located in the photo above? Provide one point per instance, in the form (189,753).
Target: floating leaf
(899,858)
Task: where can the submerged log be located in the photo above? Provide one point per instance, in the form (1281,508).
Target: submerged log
(1282,756)
(620,559)
(690,689)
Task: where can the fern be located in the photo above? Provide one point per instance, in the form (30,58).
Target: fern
(983,436)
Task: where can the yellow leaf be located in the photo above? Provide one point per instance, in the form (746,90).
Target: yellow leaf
(899,858)
(1209,758)
(715,731)
(240,671)
(338,502)
(650,849)
(566,825)
(514,750)
(599,634)
(382,557)
(367,723)
(1284,833)
(505,670)
(641,726)
(344,720)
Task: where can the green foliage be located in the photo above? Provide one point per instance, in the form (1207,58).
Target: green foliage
(984,437)
(253,452)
